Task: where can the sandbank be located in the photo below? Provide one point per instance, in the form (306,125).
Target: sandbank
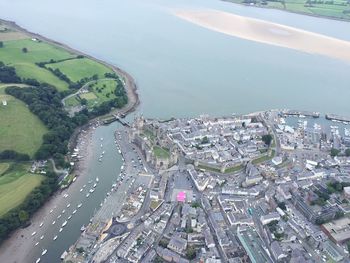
(268,33)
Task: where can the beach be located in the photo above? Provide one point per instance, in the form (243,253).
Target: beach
(268,33)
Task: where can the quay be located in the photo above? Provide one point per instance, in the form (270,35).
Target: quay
(313,114)
(334,117)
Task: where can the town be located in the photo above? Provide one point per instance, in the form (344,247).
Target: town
(272,186)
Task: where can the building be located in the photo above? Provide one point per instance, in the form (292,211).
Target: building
(277,251)
(177,244)
(338,230)
(265,219)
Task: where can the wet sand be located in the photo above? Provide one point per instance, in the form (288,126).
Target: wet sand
(268,33)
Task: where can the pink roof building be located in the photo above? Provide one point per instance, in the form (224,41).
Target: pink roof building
(181,197)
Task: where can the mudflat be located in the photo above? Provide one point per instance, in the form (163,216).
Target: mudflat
(268,33)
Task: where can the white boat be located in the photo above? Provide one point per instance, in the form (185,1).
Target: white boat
(34,233)
(74,212)
(81,189)
(69,217)
(119,151)
(101,145)
(55,237)
(60,230)
(37,243)
(97,179)
(59,216)
(51,211)
(64,223)
(95,185)
(44,252)
(87,195)
(68,205)
(92,190)
(54,222)
(38,260)
(41,224)
(42,237)
(84,185)
(75,178)
(101,139)
(63,211)
(82,229)
(80,205)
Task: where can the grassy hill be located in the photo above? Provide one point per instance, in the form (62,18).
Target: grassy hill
(15,184)
(20,130)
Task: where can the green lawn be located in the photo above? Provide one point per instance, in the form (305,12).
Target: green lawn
(15,185)
(161,152)
(76,69)
(24,63)
(100,91)
(4,167)
(20,130)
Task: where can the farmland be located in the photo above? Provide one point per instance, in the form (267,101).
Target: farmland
(15,184)
(20,130)
(337,9)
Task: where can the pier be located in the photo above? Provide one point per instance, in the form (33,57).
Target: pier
(334,117)
(313,114)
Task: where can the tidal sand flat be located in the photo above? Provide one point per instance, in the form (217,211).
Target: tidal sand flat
(268,33)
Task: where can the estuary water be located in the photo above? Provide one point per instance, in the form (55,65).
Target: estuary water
(184,70)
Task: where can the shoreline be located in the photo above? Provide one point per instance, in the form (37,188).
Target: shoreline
(21,238)
(291,11)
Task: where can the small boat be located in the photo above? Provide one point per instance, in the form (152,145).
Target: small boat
(80,205)
(60,230)
(81,189)
(63,211)
(82,229)
(101,145)
(87,195)
(54,222)
(97,179)
(95,185)
(41,224)
(44,252)
(55,237)
(68,205)
(92,190)
(59,216)
(74,212)
(69,217)
(37,243)
(64,223)
(51,211)
(34,233)
(84,185)
(42,237)
(119,151)
(38,260)
(101,139)
(75,178)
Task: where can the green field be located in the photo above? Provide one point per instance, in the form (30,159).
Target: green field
(15,184)
(99,91)
(11,54)
(77,69)
(161,152)
(20,130)
(338,9)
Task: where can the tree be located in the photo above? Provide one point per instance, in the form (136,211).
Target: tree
(347,152)
(83,101)
(267,139)
(163,243)
(334,152)
(191,253)
(23,216)
(1,44)
(24,50)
